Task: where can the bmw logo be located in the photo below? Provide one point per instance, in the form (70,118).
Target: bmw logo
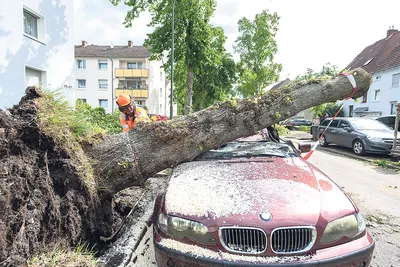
(265,216)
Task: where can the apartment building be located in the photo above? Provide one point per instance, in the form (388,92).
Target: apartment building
(36,47)
(103,72)
(382,61)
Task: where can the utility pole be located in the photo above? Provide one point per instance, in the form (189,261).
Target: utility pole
(171,109)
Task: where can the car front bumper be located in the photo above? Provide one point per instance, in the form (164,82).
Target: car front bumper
(378,147)
(357,253)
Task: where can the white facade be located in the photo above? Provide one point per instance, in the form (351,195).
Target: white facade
(36,47)
(96,94)
(382,97)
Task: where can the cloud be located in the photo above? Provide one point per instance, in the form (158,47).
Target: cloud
(311,32)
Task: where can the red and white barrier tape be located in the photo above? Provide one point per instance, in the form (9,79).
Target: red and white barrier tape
(353,83)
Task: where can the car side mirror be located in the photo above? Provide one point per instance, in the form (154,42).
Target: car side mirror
(304,148)
(347,129)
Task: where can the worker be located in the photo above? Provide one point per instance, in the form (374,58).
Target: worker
(131,114)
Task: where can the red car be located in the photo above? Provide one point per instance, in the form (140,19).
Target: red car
(157,117)
(257,204)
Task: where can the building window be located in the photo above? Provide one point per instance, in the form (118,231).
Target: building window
(140,102)
(393,108)
(160,92)
(31,24)
(135,84)
(103,103)
(103,84)
(351,108)
(378,78)
(161,75)
(365,98)
(377,94)
(81,64)
(102,64)
(34,77)
(395,80)
(135,65)
(81,83)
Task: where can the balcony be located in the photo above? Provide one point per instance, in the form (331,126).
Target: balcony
(132,73)
(143,93)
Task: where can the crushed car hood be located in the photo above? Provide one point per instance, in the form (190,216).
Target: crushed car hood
(292,190)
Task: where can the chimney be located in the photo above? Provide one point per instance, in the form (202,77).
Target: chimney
(84,43)
(130,43)
(391,31)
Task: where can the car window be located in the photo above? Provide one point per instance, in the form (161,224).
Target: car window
(369,124)
(325,122)
(334,124)
(391,121)
(385,120)
(249,150)
(344,124)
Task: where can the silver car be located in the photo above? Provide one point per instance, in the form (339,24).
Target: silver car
(362,135)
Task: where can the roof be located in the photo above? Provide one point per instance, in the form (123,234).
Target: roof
(117,51)
(277,85)
(380,56)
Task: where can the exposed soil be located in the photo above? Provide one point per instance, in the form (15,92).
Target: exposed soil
(42,199)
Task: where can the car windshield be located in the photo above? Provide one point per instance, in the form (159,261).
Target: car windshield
(249,149)
(368,124)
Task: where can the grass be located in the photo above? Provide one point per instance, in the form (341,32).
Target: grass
(72,127)
(81,256)
(388,164)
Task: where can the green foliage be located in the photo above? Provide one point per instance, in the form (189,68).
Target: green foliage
(332,108)
(95,120)
(257,48)
(327,71)
(304,128)
(281,129)
(81,256)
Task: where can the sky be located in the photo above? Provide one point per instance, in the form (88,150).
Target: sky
(311,32)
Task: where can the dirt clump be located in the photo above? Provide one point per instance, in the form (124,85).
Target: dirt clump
(43,202)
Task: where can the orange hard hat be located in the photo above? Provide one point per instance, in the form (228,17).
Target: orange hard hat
(124,100)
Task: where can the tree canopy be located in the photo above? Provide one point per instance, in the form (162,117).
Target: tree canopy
(199,48)
(257,48)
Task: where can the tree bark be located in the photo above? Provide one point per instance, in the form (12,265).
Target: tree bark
(189,90)
(124,160)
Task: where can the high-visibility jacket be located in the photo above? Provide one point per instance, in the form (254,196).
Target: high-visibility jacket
(128,122)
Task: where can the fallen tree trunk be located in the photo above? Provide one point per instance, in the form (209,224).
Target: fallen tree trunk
(125,160)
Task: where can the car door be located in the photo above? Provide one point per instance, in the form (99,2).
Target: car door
(331,132)
(344,134)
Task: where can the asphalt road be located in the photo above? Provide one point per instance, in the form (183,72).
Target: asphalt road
(376,192)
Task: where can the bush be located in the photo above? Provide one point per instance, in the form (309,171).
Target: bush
(304,128)
(282,130)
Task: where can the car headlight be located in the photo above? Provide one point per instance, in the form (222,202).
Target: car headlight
(349,226)
(183,228)
(375,139)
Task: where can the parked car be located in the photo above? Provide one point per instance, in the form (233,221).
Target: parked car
(389,120)
(362,135)
(257,204)
(298,122)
